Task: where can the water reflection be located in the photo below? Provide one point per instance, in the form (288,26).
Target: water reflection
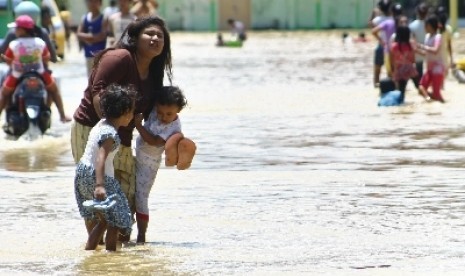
(135,260)
(31,156)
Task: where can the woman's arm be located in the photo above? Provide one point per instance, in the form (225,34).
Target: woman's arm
(111,69)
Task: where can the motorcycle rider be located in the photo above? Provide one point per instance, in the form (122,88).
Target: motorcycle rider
(26,53)
(32,10)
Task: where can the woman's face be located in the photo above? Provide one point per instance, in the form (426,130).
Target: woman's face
(151,41)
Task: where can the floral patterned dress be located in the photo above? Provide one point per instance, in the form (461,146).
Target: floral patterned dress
(119,215)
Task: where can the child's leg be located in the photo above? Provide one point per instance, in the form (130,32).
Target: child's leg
(5,97)
(7,90)
(146,171)
(186,152)
(437,82)
(96,234)
(111,238)
(171,149)
(52,89)
(424,84)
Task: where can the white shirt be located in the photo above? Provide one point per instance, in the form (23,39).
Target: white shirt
(156,127)
(119,23)
(99,133)
(27,53)
(417,28)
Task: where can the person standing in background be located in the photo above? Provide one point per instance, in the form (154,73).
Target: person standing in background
(92,32)
(119,21)
(435,64)
(446,35)
(112,9)
(65,16)
(144,8)
(402,56)
(417,28)
(379,15)
(384,31)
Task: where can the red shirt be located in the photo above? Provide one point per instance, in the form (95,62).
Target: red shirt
(117,66)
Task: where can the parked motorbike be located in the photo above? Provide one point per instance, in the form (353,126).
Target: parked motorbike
(28,108)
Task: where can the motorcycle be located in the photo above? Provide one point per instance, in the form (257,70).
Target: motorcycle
(28,110)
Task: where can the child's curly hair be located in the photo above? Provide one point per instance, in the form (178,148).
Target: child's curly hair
(171,95)
(117,100)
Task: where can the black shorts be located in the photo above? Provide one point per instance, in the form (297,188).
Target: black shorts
(379,55)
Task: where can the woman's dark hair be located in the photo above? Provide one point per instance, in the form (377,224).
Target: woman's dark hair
(171,95)
(432,20)
(403,36)
(128,41)
(117,100)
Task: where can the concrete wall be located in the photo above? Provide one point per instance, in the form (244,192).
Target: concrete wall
(210,15)
(310,14)
(266,14)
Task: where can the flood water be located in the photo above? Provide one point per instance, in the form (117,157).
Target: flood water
(298,171)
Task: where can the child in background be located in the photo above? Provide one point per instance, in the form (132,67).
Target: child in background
(402,59)
(160,132)
(92,32)
(435,63)
(119,21)
(24,54)
(95,172)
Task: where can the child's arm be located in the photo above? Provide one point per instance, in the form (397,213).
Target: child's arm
(435,48)
(149,138)
(104,150)
(375,31)
(90,38)
(81,34)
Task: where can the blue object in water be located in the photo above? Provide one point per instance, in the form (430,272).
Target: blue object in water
(391,98)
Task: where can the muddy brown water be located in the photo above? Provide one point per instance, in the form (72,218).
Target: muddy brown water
(298,171)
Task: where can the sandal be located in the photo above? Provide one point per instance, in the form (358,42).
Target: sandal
(100,205)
